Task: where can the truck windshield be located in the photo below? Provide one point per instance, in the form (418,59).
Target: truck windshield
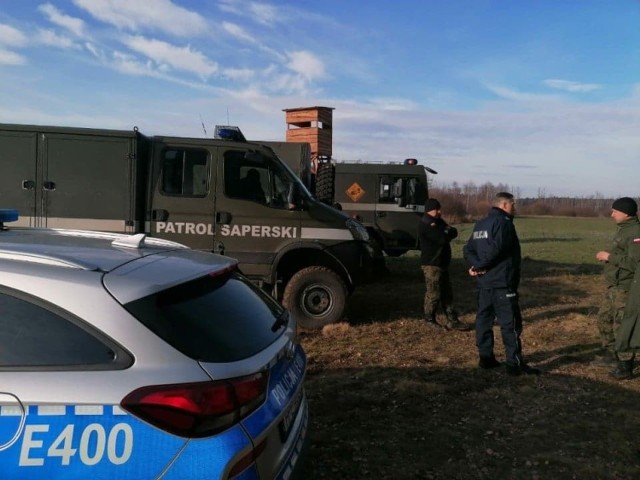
(260,178)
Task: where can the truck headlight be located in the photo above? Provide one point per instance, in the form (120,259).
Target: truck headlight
(357,230)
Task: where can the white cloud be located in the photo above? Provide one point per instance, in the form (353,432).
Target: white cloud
(306,64)
(12,37)
(51,38)
(11,58)
(130,65)
(241,74)
(55,16)
(522,97)
(136,15)
(262,13)
(94,51)
(570,86)
(392,104)
(180,58)
(238,32)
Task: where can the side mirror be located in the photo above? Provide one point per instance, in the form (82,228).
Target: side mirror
(293,197)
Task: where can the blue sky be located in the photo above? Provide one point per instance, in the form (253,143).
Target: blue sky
(542,95)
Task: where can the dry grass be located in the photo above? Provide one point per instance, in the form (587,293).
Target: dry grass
(393,399)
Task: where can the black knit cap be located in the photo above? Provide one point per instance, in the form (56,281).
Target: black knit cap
(626,205)
(431,204)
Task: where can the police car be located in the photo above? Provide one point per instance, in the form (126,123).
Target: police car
(125,357)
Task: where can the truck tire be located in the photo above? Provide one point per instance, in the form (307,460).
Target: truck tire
(315,296)
(325,182)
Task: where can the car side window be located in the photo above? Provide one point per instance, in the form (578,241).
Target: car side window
(185,172)
(33,336)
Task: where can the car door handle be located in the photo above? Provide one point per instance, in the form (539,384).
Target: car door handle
(223,218)
(159,215)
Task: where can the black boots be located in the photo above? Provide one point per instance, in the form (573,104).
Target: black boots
(623,370)
(522,369)
(606,359)
(453,323)
(487,363)
(431,321)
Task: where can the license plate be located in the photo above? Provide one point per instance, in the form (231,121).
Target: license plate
(289,417)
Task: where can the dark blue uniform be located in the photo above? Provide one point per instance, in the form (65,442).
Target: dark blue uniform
(494,247)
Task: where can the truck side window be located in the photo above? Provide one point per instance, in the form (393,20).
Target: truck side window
(255,178)
(402,191)
(185,172)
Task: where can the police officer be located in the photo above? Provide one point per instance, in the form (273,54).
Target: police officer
(435,236)
(619,267)
(493,253)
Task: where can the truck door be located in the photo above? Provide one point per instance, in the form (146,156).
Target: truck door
(183,200)
(253,216)
(399,208)
(18,151)
(87,181)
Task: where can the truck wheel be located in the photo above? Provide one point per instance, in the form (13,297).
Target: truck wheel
(315,296)
(325,182)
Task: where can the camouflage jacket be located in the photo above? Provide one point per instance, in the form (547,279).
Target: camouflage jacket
(623,255)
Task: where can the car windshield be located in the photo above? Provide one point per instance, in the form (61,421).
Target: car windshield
(221,318)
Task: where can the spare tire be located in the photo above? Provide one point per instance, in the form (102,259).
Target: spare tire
(325,180)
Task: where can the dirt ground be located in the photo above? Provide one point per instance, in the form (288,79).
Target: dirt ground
(392,399)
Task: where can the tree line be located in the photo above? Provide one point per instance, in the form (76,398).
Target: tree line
(468,202)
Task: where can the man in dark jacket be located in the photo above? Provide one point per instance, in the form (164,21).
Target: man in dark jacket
(493,253)
(435,237)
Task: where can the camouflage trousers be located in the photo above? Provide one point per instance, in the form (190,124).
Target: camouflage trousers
(439,291)
(610,316)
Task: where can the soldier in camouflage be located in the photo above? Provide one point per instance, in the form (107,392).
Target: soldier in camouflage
(435,236)
(619,269)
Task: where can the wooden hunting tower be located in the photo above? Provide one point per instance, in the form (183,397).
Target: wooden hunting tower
(313,125)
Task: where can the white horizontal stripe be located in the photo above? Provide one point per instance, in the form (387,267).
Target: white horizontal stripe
(381,207)
(89,410)
(52,410)
(11,411)
(73,223)
(118,411)
(326,233)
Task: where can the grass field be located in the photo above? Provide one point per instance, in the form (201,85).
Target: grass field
(391,399)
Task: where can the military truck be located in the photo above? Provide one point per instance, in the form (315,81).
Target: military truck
(221,195)
(387,198)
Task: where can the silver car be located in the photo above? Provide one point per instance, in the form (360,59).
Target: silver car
(124,357)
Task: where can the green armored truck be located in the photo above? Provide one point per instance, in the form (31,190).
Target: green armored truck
(387,198)
(222,195)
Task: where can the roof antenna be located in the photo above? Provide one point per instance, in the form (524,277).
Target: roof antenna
(203,128)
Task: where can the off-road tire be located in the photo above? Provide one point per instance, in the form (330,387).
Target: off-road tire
(325,181)
(315,297)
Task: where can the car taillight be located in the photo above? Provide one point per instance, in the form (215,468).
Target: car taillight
(196,410)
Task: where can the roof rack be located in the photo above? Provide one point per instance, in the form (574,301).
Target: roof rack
(44,260)
(122,240)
